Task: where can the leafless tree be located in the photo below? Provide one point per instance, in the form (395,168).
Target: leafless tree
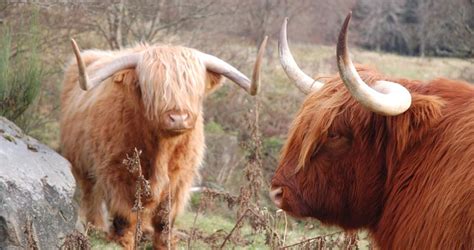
(128,21)
(417,27)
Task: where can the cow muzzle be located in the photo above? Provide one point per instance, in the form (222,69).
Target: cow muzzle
(276,194)
(177,121)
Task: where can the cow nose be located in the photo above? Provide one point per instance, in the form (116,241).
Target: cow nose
(178,118)
(177,121)
(276,195)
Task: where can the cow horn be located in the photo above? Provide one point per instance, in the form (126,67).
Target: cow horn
(219,66)
(385,98)
(117,64)
(304,82)
(211,63)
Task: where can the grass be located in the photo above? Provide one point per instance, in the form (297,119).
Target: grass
(320,60)
(99,242)
(210,223)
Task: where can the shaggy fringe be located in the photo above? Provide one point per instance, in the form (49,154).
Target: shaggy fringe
(171,78)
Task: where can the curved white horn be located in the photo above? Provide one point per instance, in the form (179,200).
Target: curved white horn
(117,64)
(219,66)
(304,82)
(385,98)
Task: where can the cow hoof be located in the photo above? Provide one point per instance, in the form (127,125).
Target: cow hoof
(126,240)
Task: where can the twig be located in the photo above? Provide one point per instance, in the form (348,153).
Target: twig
(310,240)
(267,227)
(193,228)
(286,228)
(170,225)
(142,189)
(233,229)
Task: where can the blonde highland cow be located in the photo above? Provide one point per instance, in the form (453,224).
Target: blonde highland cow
(145,97)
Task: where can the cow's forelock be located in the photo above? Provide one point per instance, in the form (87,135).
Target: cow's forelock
(316,116)
(171,78)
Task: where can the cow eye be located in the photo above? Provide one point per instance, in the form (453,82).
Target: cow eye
(337,145)
(332,135)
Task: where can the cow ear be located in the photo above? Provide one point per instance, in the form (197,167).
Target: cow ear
(413,125)
(126,77)
(426,113)
(213,81)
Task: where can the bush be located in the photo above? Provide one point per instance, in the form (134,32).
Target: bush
(20,71)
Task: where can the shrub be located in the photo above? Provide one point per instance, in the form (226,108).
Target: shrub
(20,70)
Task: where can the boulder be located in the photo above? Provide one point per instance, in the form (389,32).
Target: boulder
(36,192)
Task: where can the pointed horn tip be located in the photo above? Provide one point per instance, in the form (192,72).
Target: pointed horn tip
(345,25)
(74,44)
(342,39)
(348,17)
(255,83)
(282,38)
(75,47)
(80,65)
(284,26)
(264,43)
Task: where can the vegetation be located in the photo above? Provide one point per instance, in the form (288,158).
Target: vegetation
(21,72)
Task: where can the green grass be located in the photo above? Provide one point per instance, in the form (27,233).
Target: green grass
(209,223)
(98,242)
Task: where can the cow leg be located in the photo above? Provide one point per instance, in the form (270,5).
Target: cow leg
(91,200)
(120,198)
(162,222)
(161,219)
(122,230)
(93,207)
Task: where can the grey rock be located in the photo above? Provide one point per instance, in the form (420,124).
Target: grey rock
(36,192)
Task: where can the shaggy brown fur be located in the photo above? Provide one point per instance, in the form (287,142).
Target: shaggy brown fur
(408,179)
(101,126)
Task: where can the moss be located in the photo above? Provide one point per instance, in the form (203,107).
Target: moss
(9,138)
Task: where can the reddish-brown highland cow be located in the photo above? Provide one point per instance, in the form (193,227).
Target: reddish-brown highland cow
(145,97)
(393,156)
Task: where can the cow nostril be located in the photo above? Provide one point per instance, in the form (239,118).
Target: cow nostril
(178,117)
(276,194)
(177,121)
